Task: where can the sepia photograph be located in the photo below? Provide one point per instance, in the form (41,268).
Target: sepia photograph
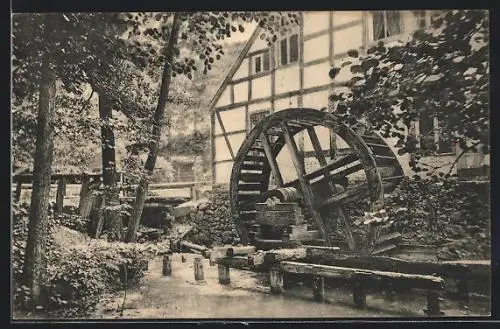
(250,165)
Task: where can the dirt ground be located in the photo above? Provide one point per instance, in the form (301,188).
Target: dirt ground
(180,296)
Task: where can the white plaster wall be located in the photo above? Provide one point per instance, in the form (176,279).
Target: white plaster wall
(261,87)
(317,100)
(221,150)
(347,39)
(286,165)
(242,70)
(315,21)
(316,48)
(223,172)
(233,119)
(343,17)
(241,92)
(236,141)
(259,106)
(217,129)
(323,134)
(287,79)
(316,75)
(285,103)
(224,99)
(258,44)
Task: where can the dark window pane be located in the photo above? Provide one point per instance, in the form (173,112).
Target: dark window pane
(393,23)
(283,52)
(420,14)
(378,25)
(266,61)
(426,130)
(257,64)
(445,144)
(294,48)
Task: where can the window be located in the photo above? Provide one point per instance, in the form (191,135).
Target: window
(431,138)
(421,18)
(386,24)
(261,62)
(289,50)
(255,117)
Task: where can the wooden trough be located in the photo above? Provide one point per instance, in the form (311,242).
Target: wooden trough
(363,274)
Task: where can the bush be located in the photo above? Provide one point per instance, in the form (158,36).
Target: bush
(77,275)
(451,215)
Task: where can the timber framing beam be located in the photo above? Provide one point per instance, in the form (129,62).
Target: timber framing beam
(225,134)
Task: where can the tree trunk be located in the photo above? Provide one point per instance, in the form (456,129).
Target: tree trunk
(34,271)
(109,177)
(142,188)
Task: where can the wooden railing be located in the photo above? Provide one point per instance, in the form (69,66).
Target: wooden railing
(24,181)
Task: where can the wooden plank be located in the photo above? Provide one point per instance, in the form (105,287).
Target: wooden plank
(415,280)
(267,244)
(281,206)
(278,219)
(238,262)
(304,184)
(350,194)
(271,159)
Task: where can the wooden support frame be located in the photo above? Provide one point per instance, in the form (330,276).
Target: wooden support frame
(304,184)
(340,212)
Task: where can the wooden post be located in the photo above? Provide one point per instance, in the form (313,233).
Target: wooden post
(84,190)
(167,264)
(61,192)
(359,295)
(224,274)
(433,307)
(198,269)
(17,194)
(276,280)
(318,286)
(183,258)
(98,205)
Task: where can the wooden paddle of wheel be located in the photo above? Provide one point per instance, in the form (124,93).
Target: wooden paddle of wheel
(321,194)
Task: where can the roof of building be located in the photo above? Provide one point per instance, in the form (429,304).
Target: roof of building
(234,68)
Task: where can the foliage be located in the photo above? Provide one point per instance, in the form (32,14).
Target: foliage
(77,275)
(441,71)
(195,143)
(442,213)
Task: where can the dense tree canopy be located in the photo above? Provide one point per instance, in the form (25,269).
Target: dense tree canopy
(442,71)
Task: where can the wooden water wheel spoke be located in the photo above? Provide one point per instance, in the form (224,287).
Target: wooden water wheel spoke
(348,195)
(304,184)
(322,193)
(322,161)
(271,159)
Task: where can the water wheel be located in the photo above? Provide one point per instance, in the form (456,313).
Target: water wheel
(323,192)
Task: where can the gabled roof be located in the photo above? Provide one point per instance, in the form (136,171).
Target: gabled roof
(234,68)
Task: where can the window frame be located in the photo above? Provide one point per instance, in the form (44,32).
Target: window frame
(436,134)
(287,37)
(260,56)
(371,36)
